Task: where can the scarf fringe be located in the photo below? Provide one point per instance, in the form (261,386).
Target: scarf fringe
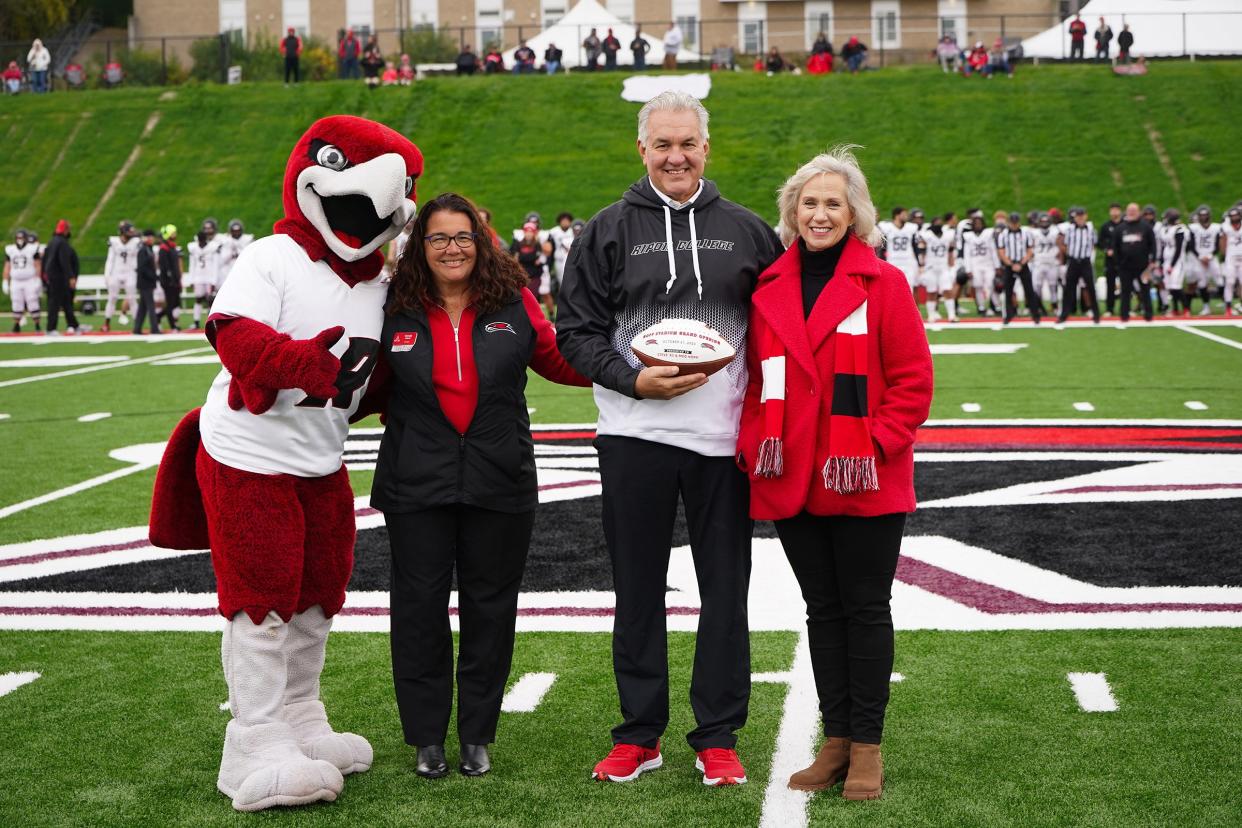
(771,460)
(851,475)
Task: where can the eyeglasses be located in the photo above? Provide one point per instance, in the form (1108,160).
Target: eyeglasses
(439,241)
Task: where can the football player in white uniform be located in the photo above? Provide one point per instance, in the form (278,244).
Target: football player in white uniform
(1171,246)
(22,279)
(231,247)
(207,254)
(939,268)
(976,246)
(901,240)
(562,238)
(1202,269)
(1231,248)
(1046,264)
(121,272)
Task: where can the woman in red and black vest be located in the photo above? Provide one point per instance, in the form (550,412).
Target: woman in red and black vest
(455,476)
(840,379)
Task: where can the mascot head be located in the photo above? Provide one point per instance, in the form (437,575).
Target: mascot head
(349,189)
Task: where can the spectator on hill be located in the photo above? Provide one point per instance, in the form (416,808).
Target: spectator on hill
(389,76)
(672,45)
(1125,42)
(611,46)
(291,49)
(855,53)
(821,46)
(493,61)
(998,60)
(12,78)
(405,71)
(1103,38)
(592,46)
(639,47)
(552,58)
(949,54)
(523,59)
(113,74)
(348,52)
(147,281)
(372,62)
(819,64)
(60,269)
(977,60)
(774,64)
(1078,37)
(38,59)
(467,61)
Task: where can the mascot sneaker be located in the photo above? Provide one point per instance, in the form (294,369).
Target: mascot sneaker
(349,752)
(262,767)
(625,763)
(720,766)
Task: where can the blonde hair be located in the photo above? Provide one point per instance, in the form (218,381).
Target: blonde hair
(840,161)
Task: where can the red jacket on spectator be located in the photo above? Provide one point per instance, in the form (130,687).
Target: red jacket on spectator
(978,58)
(899,384)
(350,36)
(819,64)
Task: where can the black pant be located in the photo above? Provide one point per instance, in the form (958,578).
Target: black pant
(845,566)
(146,307)
(1131,282)
(1110,285)
(59,296)
(489,550)
(172,300)
(292,68)
(1033,305)
(1076,269)
(641,482)
(1076,49)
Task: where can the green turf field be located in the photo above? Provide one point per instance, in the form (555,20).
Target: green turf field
(1053,135)
(982,730)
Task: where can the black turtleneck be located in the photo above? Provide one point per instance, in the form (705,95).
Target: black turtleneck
(817,269)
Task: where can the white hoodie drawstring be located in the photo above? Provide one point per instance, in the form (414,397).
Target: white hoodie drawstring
(694,251)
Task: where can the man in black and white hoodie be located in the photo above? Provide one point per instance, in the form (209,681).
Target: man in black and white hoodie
(670,248)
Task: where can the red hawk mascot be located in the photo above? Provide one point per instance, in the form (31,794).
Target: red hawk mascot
(297,329)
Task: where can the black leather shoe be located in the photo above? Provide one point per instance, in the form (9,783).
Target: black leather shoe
(431,764)
(474,760)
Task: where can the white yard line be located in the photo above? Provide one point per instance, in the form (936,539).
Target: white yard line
(527,692)
(1092,692)
(75,371)
(1083,406)
(79,487)
(795,746)
(91,418)
(1208,335)
(11,681)
(1195,405)
(971,408)
(123,171)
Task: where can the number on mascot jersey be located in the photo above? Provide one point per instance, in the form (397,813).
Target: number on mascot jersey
(357,363)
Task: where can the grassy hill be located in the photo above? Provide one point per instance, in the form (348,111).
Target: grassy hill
(1053,135)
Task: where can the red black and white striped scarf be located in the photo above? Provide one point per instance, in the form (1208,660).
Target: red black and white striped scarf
(850,467)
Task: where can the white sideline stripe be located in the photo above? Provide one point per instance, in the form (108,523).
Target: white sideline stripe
(795,746)
(771,678)
(1083,406)
(59,361)
(224,705)
(527,692)
(75,371)
(4,416)
(152,120)
(1092,692)
(997,348)
(971,408)
(11,681)
(74,489)
(1207,335)
(897,678)
(98,415)
(205,359)
(1195,405)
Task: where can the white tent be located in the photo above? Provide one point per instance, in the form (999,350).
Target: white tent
(1160,27)
(569,32)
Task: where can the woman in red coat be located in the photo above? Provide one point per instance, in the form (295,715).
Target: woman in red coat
(840,379)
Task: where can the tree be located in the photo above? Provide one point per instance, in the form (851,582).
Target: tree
(28,19)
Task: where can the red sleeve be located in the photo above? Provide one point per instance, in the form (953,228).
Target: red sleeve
(547,360)
(264,362)
(906,363)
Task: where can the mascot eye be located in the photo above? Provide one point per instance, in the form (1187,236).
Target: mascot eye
(331,157)
(409,184)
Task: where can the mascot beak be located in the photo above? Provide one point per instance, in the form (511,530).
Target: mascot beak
(360,208)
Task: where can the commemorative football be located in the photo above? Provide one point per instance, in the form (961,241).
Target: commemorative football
(687,344)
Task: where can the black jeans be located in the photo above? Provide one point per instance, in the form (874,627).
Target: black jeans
(489,550)
(1110,284)
(292,68)
(1130,282)
(172,300)
(1075,270)
(60,297)
(146,307)
(845,566)
(1033,303)
(1076,49)
(642,482)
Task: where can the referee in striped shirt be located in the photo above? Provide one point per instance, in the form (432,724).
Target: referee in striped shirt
(1016,247)
(1077,245)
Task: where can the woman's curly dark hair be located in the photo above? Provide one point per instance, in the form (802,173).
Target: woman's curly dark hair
(496,277)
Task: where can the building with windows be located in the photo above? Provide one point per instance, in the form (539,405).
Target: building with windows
(895,30)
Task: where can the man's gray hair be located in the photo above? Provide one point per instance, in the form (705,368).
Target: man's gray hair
(672,100)
(840,161)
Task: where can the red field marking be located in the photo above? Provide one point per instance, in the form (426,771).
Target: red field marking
(973,438)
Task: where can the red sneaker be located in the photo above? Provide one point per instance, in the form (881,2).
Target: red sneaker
(624,763)
(720,766)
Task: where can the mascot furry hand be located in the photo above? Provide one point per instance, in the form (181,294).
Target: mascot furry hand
(297,329)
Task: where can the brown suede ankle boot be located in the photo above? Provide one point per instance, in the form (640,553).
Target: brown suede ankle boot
(866,774)
(828,768)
